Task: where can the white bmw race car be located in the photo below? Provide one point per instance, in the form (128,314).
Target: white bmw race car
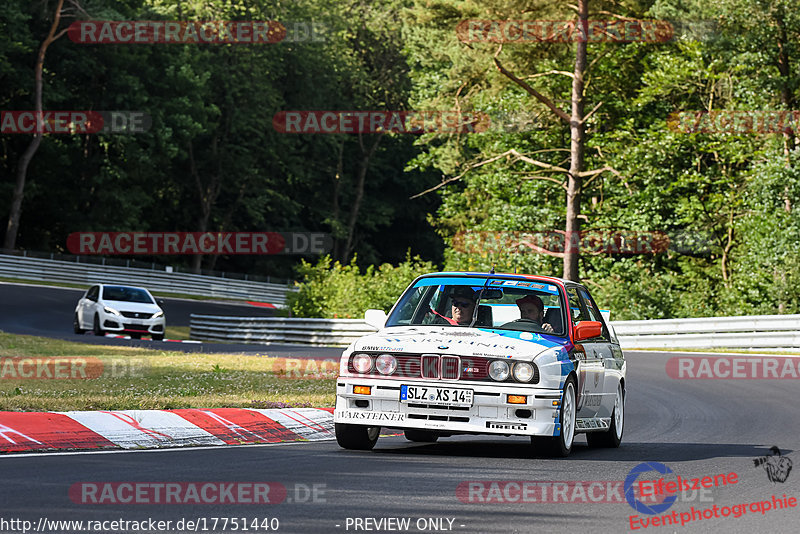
(477,353)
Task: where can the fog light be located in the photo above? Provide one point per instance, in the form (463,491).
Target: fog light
(362,390)
(555,403)
(517,399)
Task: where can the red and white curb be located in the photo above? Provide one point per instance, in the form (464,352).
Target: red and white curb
(138,429)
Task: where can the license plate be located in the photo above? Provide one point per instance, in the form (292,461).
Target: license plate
(438,396)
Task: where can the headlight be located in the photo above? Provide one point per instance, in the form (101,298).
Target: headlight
(386,364)
(499,370)
(156,315)
(362,363)
(523,372)
(112,311)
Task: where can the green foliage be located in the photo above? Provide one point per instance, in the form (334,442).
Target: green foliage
(342,291)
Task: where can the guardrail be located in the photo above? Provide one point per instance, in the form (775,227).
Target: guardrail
(749,331)
(762,331)
(45,270)
(317,332)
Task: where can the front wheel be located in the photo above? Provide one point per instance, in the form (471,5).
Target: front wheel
(356,437)
(157,337)
(561,445)
(96,326)
(613,436)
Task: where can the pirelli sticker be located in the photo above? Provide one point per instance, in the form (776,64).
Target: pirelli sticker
(498,425)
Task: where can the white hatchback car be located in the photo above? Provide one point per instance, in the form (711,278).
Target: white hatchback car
(120,309)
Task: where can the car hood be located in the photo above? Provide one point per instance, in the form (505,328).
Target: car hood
(459,341)
(121,305)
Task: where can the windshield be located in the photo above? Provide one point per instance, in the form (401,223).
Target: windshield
(126,294)
(481,303)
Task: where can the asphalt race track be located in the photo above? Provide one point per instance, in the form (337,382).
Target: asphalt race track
(695,427)
(47,311)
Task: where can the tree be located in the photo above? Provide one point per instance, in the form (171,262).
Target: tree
(12,228)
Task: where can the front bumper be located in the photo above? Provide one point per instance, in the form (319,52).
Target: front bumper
(115,323)
(490,413)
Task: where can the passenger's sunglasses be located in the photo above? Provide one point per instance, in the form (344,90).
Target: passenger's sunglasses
(463,303)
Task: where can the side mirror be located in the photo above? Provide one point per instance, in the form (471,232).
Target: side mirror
(160,303)
(588,330)
(375,318)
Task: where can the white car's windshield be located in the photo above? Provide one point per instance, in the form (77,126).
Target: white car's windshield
(126,294)
(518,305)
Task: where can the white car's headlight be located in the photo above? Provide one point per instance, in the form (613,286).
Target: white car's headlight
(523,372)
(362,363)
(112,311)
(499,370)
(156,315)
(386,364)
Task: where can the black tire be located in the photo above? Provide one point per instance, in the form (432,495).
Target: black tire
(157,337)
(96,326)
(561,445)
(421,436)
(356,437)
(612,437)
(136,336)
(76,325)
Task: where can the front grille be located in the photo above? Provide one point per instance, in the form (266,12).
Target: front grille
(441,367)
(451,367)
(136,315)
(430,366)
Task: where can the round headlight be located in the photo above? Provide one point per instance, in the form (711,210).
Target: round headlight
(499,370)
(386,364)
(523,372)
(362,363)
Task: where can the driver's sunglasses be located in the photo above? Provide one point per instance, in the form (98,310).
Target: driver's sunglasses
(463,303)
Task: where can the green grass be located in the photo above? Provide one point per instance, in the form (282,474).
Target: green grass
(176,332)
(134,378)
